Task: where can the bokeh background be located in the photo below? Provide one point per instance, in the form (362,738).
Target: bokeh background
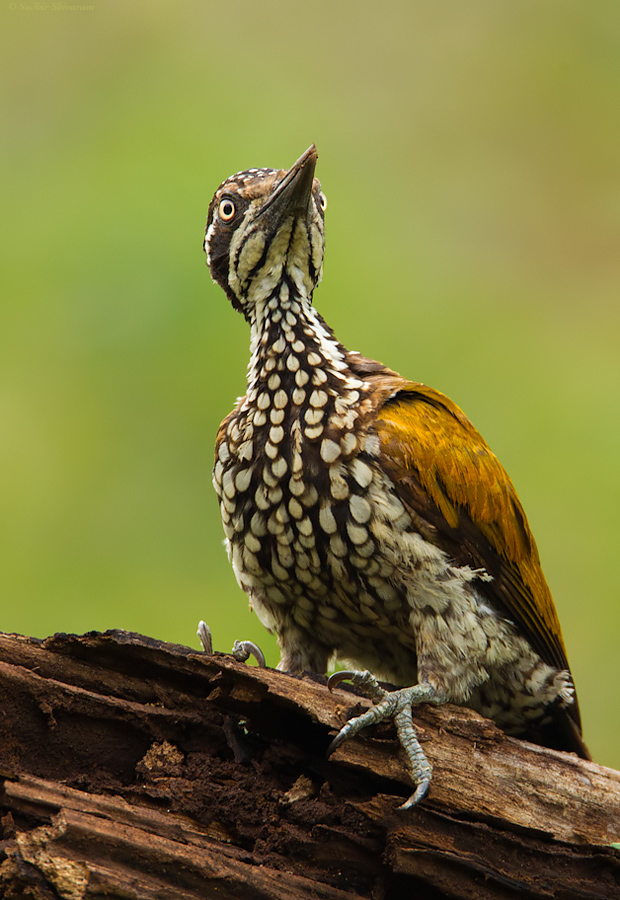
(470,153)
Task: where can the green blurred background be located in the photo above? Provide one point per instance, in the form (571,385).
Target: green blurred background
(471,156)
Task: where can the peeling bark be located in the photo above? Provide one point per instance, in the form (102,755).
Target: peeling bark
(138,769)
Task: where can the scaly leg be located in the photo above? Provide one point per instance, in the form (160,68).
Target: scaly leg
(394,705)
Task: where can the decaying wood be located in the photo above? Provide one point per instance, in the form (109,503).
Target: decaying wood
(137,769)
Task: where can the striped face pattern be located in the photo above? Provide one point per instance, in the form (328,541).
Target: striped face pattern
(247,243)
(342,549)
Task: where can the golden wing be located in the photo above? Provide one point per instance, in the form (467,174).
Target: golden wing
(462,500)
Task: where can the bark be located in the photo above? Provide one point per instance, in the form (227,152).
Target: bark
(133,768)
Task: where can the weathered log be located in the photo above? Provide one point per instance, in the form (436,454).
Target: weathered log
(138,769)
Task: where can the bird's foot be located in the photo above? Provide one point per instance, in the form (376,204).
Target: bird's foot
(241,651)
(394,705)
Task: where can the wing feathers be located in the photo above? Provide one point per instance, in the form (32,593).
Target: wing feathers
(447,474)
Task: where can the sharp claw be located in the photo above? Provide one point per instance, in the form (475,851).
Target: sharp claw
(204,633)
(242,650)
(420,793)
(334,744)
(337,678)
(339,739)
(364,680)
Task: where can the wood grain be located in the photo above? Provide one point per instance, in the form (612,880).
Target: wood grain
(138,769)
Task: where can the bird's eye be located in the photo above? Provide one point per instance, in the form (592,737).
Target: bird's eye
(323,201)
(227,210)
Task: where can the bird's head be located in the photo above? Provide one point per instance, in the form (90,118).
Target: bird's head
(265,233)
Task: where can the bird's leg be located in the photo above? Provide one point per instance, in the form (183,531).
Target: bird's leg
(241,651)
(394,705)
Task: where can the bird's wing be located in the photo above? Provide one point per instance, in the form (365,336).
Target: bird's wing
(457,490)
(462,500)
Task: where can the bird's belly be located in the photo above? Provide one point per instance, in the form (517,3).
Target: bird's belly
(324,600)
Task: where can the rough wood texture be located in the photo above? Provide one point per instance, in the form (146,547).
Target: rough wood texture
(137,769)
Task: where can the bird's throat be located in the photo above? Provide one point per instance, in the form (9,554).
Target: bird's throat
(291,346)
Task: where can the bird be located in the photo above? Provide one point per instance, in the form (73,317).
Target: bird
(365,517)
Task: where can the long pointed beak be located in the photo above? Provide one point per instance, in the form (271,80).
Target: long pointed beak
(292,194)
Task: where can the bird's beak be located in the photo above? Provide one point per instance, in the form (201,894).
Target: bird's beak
(292,194)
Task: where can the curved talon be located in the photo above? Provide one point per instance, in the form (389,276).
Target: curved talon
(351,728)
(337,678)
(364,680)
(341,737)
(206,639)
(419,794)
(242,650)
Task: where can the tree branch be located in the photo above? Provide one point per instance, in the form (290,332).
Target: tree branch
(138,769)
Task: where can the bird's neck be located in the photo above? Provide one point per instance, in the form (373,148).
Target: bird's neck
(290,339)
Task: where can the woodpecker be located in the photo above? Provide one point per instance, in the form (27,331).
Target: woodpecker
(365,517)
